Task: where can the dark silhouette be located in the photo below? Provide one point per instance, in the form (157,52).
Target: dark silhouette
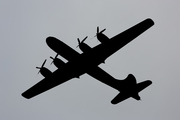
(88,61)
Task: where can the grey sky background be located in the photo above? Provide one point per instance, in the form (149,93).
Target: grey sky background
(154,55)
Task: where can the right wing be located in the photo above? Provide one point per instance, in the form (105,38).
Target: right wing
(60,75)
(103,51)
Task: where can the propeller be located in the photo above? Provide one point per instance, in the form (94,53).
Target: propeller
(53,58)
(100,31)
(79,42)
(41,66)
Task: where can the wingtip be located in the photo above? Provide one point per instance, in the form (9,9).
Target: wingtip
(113,102)
(49,39)
(25,96)
(150,82)
(150,21)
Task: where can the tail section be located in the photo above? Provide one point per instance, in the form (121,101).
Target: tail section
(130,89)
(128,82)
(131,80)
(136,96)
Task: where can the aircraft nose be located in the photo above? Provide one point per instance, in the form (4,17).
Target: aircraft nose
(48,40)
(52,41)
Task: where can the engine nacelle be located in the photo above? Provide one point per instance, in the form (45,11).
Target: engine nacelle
(102,38)
(45,72)
(84,47)
(58,63)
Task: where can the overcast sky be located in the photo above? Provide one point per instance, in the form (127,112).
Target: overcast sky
(154,55)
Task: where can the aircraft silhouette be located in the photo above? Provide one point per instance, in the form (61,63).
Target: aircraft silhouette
(88,61)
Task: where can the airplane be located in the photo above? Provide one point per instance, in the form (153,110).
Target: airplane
(87,62)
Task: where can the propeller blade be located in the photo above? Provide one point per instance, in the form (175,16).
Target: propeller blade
(78,42)
(56,56)
(97,29)
(102,30)
(38,67)
(43,63)
(53,58)
(84,39)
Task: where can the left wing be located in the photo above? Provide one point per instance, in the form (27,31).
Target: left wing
(60,75)
(57,77)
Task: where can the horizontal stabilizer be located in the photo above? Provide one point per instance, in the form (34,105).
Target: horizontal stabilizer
(143,85)
(131,91)
(120,97)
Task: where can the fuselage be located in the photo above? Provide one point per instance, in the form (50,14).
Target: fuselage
(79,64)
(85,62)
